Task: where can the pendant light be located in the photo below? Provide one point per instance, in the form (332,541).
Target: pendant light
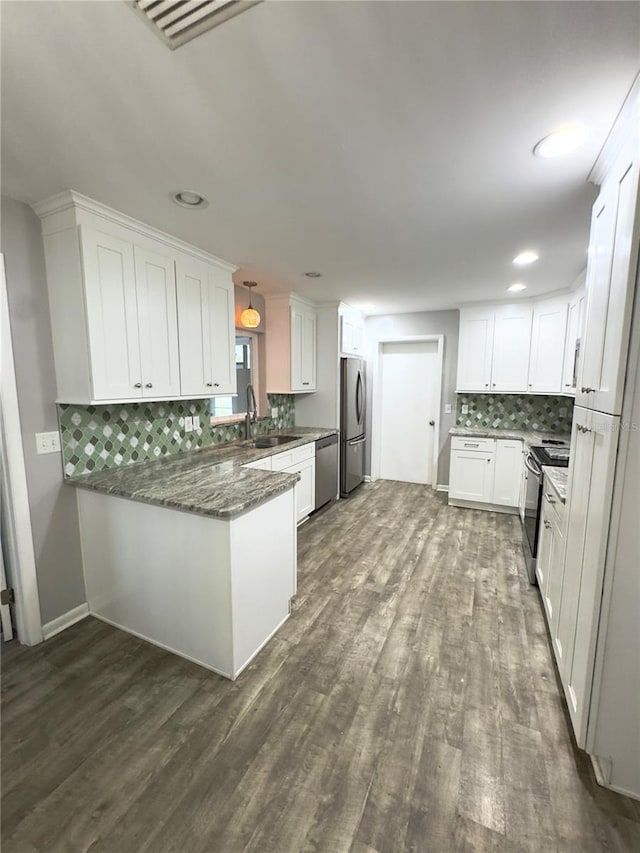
(250,318)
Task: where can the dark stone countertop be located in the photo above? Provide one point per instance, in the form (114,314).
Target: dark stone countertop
(209,481)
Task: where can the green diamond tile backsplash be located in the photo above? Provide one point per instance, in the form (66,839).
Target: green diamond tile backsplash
(516,411)
(98,437)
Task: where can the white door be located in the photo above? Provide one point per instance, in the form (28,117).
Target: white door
(409,390)
(112,315)
(223,338)
(192,283)
(475,349)
(507,476)
(158,324)
(547,346)
(471,476)
(511,345)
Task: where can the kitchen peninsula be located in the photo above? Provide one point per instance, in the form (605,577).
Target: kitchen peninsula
(194,552)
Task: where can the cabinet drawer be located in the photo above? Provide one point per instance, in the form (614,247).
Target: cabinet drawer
(459,442)
(260,464)
(553,506)
(307,451)
(280,461)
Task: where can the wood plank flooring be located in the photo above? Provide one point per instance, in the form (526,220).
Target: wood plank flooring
(409,704)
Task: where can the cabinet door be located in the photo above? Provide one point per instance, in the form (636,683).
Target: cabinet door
(303,349)
(471,476)
(158,324)
(112,315)
(511,345)
(553,588)
(507,476)
(305,488)
(546,538)
(358,339)
(593,449)
(611,271)
(194,319)
(346,336)
(548,337)
(573,333)
(475,349)
(222,325)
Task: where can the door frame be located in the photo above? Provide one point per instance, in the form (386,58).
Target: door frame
(376,407)
(14,479)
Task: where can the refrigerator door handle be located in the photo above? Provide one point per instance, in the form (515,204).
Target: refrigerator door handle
(357,441)
(359,398)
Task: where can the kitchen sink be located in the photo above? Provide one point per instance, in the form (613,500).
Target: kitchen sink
(273,440)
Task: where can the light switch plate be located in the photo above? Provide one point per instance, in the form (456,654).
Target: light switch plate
(196,421)
(47,442)
(188,424)
(274,412)
(447,408)
(465,409)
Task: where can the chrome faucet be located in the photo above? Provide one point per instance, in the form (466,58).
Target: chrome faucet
(252,411)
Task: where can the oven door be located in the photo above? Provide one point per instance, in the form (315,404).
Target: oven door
(533,495)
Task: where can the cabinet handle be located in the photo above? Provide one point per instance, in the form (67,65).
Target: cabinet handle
(305,383)
(494,384)
(583,428)
(550,499)
(489,459)
(138,385)
(568,385)
(587,390)
(471,444)
(209,385)
(486,384)
(216,384)
(531,385)
(547,524)
(149,385)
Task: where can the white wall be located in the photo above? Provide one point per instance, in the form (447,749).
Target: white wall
(421,323)
(54,515)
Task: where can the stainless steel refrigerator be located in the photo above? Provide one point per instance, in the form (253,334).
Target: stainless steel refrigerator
(352,424)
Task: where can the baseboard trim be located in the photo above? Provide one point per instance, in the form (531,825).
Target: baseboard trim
(65,621)
(487,507)
(442,488)
(367,478)
(602,770)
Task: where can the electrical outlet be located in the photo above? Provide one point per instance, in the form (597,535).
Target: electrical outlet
(188,424)
(447,408)
(47,442)
(196,421)
(465,409)
(274,412)
(562,413)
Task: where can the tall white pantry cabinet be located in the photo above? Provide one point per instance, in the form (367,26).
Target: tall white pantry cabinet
(597,636)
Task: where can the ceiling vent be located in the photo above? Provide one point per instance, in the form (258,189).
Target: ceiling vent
(179,21)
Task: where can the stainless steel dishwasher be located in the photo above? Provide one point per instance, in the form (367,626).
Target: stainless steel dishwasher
(326,469)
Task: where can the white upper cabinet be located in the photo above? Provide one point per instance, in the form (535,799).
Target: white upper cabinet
(351,332)
(575,325)
(475,349)
(291,331)
(157,323)
(115,308)
(511,337)
(611,274)
(205,322)
(493,353)
(112,316)
(548,339)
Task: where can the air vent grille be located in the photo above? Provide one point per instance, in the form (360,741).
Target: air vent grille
(179,21)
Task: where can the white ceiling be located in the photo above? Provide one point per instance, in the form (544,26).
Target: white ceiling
(385,144)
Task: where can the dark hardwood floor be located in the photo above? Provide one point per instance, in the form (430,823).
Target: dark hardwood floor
(409,704)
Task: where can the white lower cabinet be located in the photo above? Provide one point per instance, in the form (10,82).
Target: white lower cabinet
(485,470)
(550,563)
(298,460)
(593,450)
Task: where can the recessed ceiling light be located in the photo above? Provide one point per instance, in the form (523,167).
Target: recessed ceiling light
(517,287)
(187,198)
(313,274)
(525,258)
(560,142)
